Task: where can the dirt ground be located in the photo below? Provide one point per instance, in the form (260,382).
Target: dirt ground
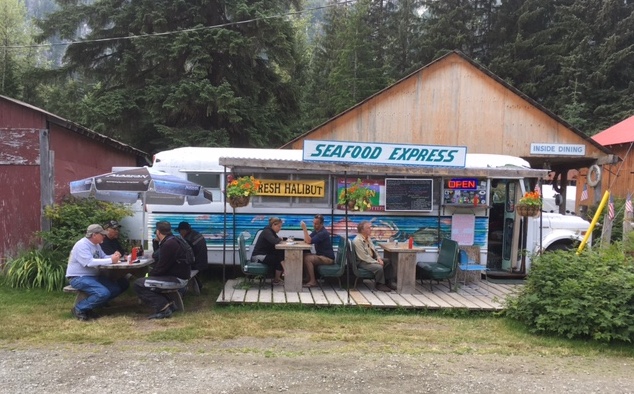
(251,365)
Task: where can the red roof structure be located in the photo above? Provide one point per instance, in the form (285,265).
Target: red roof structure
(620,133)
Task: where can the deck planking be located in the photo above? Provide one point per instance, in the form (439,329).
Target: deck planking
(482,296)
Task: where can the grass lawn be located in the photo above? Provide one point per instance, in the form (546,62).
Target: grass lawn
(35,317)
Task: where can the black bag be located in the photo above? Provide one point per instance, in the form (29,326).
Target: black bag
(190,258)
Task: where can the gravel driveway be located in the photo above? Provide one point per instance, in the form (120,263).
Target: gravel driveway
(252,365)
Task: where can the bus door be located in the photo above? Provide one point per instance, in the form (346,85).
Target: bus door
(502,228)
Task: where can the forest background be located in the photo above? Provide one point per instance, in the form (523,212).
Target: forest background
(159,74)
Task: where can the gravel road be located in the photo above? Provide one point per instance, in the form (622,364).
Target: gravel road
(251,365)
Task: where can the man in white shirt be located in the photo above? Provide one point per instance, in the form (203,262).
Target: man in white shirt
(83,275)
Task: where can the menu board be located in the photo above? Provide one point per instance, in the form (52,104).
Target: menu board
(408,194)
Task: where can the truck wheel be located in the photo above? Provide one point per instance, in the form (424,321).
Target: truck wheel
(559,246)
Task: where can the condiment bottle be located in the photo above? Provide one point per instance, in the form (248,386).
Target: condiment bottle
(411,242)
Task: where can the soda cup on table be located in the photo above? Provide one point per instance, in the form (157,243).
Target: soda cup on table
(133,255)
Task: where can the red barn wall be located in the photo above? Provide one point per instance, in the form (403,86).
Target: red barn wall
(79,157)
(20,191)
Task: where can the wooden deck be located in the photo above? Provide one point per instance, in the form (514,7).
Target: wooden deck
(482,295)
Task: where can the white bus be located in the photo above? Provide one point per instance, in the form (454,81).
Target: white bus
(475,205)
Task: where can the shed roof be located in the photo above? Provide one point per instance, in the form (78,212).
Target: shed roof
(67,124)
(570,134)
(620,133)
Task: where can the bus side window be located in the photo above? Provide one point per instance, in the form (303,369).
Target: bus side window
(209,181)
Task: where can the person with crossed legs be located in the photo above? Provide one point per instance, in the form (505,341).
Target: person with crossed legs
(369,259)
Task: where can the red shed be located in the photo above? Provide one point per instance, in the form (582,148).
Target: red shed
(40,153)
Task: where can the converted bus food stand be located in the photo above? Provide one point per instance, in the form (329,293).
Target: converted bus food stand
(472,202)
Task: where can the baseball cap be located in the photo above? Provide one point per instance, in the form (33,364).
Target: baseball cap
(95,229)
(183,226)
(112,224)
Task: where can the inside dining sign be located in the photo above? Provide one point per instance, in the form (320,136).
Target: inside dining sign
(391,154)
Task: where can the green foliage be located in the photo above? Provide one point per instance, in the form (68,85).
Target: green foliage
(190,76)
(35,268)
(71,218)
(46,268)
(590,295)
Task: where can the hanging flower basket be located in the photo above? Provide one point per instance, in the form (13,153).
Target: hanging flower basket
(527,210)
(239,201)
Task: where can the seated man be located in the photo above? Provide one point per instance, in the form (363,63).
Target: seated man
(83,275)
(369,259)
(197,241)
(320,237)
(111,242)
(170,272)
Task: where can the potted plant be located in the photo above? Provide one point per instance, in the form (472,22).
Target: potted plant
(357,196)
(239,190)
(530,204)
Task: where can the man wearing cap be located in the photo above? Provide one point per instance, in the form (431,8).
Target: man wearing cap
(83,275)
(197,242)
(111,242)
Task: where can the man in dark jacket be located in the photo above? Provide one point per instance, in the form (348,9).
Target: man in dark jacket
(170,272)
(197,242)
(111,242)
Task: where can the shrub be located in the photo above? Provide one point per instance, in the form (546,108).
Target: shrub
(589,295)
(46,268)
(70,219)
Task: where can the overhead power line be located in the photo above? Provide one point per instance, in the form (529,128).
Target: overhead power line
(167,33)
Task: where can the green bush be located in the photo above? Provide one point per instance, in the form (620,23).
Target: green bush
(590,295)
(70,219)
(36,268)
(46,268)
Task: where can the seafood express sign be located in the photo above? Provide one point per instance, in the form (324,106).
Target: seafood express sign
(391,154)
(400,194)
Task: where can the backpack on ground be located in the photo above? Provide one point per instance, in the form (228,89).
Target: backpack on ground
(190,258)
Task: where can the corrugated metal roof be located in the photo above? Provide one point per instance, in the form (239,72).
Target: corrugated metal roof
(620,133)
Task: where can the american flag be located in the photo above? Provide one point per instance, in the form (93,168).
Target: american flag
(584,193)
(611,209)
(628,203)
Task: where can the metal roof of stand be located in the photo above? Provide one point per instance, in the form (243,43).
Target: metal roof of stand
(242,165)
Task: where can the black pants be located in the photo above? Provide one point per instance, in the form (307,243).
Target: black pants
(274,260)
(151,294)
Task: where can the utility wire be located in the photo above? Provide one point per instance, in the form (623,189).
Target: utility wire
(167,33)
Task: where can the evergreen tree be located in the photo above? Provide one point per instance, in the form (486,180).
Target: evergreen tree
(168,73)
(16,58)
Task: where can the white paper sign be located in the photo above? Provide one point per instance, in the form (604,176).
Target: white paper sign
(463,228)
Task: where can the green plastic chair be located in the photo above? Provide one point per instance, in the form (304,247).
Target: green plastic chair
(337,269)
(445,268)
(249,268)
(359,273)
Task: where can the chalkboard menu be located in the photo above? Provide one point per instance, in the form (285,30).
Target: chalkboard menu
(408,194)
